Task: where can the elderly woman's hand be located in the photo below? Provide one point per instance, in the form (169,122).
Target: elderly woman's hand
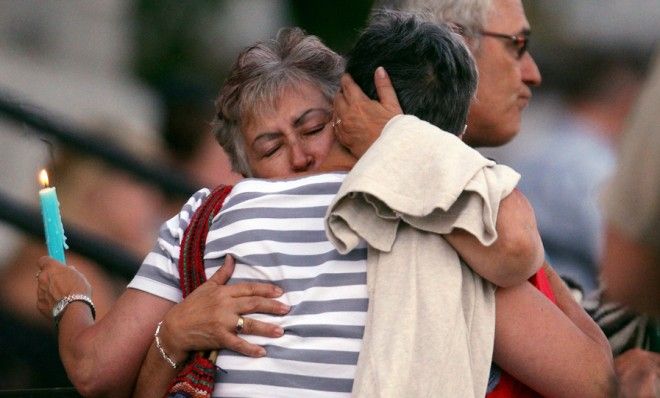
(208,317)
(55,281)
(359,120)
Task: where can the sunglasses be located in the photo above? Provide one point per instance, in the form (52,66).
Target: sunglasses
(519,42)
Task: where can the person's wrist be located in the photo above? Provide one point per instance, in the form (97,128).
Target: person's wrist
(170,341)
(167,355)
(66,281)
(62,304)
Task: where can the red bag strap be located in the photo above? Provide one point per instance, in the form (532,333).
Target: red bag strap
(191,256)
(197,378)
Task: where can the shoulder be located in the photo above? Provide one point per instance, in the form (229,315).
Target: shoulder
(175,226)
(305,185)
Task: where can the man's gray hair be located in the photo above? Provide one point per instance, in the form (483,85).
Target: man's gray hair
(469,14)
(258,77)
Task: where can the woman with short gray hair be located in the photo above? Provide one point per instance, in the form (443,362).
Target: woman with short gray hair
(274,120)
(258,78)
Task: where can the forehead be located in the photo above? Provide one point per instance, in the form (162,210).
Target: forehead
(287,104)
(507,16)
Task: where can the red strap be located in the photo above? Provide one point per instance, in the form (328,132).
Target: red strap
(191,256)
(540,281)
(197,378)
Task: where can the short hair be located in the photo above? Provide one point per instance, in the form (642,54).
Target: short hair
(259,75)
(431,69)
(471,15)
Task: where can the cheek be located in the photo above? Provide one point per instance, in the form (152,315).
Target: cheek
(321,144)
(273,167)
(496,101)
(499,77)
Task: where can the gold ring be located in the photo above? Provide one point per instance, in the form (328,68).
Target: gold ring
(239,324)
(336,123)
(36,276)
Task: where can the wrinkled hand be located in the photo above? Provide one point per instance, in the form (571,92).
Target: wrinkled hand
(361,118)
(638,373)
(55,281)
(207,318)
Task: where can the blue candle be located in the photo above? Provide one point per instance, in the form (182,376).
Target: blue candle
(53,228)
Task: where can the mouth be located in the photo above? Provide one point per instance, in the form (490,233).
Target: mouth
(523,101)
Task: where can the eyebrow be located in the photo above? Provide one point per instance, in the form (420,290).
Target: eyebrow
(271,135)
(265,137)
(301,118)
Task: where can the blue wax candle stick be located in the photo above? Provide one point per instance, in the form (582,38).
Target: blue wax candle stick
(53,228)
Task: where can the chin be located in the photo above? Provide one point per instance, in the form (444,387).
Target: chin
(504,135)
(505,139)
(493,139)
(492,131)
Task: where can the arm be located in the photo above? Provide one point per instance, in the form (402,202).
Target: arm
(631,272)
(100,358)
(546,349)
(574,311)
(104,358)
(516,255)
(206,320)
(155,375)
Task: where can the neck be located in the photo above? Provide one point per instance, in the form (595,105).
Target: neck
(338,159)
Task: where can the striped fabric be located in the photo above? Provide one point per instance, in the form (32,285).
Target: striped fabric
(275,231)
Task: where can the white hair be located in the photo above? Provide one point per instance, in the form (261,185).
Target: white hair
(471,15)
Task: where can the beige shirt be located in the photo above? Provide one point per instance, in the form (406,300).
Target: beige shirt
(430,323)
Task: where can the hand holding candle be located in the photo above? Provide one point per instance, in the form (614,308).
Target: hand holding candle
(53,228)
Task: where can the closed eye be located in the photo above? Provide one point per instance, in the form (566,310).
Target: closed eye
(271,151)
(315,129)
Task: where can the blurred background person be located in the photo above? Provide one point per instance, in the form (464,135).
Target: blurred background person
(631,256)
(631,253)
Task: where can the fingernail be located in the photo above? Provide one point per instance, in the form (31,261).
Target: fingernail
(279,291)
(261,352)
(380,72)
(279,332)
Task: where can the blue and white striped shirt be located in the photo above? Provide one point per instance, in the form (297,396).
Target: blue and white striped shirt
(274,229)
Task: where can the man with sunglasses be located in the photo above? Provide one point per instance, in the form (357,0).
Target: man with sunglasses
(506,74)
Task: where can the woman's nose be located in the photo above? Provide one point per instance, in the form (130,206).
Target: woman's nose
(299,158)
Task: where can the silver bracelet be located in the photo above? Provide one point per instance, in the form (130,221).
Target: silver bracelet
(60,306)
(163,354)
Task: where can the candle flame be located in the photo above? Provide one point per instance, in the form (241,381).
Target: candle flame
(43,178)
